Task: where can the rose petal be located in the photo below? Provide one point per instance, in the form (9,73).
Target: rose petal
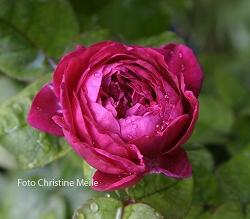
(92,86)
(62,66)
(106,182)
(44,106)
(174,164)
(181,59)
(105,118)
(193,112)
(137,126)
(165,142)
(92,157)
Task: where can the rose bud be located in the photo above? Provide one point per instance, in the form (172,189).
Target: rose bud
(125,109)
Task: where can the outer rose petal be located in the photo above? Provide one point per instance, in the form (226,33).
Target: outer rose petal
(108,182)
(194,107)
(181,59)
(44,107)
(61,67)
(165,142)
(175,164)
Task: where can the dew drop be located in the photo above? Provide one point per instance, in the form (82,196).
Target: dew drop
(129,136)
(107,195)
(94,207)
(180,55)
(166,97)
(182,67)
(127,121)
(31,165)
(165,122)
(97,74)
(38,108)
(158,128)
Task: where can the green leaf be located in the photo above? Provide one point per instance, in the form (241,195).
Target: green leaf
(8,88)
(248,212)
(109,208)
(140,210)
(70,169)
(88,38)
(87,12)
(88,171)
(30,147)
(194,212)
(7,160)
(163,194)
(228,211)
(172,198)
(159,40)
(31,32)
(38,203)
(214,123)
(230,88)
(133,19)
(205,185)
(234,177)
(96,208)
(239,137)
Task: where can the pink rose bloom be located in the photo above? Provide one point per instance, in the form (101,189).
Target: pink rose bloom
(125,109)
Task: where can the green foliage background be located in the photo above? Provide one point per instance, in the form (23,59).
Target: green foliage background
(34,34)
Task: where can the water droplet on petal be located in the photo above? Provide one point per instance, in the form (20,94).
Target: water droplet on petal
(157,128)
(38,108)
(166,97)
(180,55)
(182,67)
(127,121)
(94,207)
(129,136)
(165,122)
(97,74)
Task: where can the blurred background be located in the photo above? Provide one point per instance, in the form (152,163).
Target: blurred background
(34,34)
